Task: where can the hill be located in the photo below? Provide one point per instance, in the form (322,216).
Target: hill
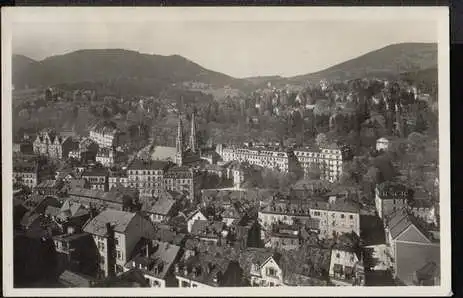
(389,61)
(20,64)
(115,68)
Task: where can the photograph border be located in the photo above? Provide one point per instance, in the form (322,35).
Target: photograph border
(110,14)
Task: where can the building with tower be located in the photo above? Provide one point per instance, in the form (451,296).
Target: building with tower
(191,154)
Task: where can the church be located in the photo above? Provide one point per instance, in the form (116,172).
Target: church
(191,154)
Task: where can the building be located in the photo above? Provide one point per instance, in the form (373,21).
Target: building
(424,209)
(194,216)
(106,156)
(76,252)
(346,268)
(191,154)
(49,187)
(156,261)
(23,146)
(385,143)
(205,270)
(272,158)
(25,173)
(118,178)
(116,234)
(262,267)
(87,151)
(162,210)
(390,197)
(97,178)
(147,177)
(411,247)
(105,134)
(230,215)
(284,237)
(52,145)
(328,216)
(209,231)
(328,161)
(183,180)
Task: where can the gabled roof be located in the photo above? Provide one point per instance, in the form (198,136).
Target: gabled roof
(119,220)
(400,221)
(162,206)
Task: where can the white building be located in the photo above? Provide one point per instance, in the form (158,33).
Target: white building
(346,268)
(105,134)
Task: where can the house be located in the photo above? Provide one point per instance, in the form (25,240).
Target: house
(49,187)
(194,216)
(410,246)
(262,267)
(52,145)
(97,178)
(106,156)
(389,197)
(230,215)
(76,252)
(346,268)
(161,210)
(155,260)
(71,214)
(206,270)
(284,237)
(385,143)
(118,178)
(116,234)
(25,173)
(105,134)
(327,215)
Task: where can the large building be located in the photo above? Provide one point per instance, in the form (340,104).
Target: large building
(116,234)
(52,145)
(390,197)
(152,178)
(328,217)
(25,173)
(105,134)
(328,161)
(272,158)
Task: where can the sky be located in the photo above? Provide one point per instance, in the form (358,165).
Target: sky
(240,48)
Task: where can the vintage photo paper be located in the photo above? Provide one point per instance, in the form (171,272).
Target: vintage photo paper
(226,151)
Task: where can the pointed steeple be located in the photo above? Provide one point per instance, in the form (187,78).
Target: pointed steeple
(193,145)
(179,143)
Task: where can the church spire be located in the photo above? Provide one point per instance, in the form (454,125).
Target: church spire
(179,143)
(193,145)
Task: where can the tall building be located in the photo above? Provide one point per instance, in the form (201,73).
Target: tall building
(179,144)
(193,145)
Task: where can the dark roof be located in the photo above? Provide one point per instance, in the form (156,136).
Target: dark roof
(399,221)
(205,228)
(139,164)
(88,193)
(206,268)
(95,172)
(29,218)
(117,194)
(119,220)
(72,279)
(159,262)
(162,206)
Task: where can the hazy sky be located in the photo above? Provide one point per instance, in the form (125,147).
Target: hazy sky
(236,48)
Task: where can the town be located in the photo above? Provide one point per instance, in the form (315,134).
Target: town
(347,195)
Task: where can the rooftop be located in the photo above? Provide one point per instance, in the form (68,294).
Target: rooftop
(119,220)
(162,206)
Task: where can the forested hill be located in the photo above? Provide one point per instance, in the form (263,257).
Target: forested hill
(115,67)
(390,61)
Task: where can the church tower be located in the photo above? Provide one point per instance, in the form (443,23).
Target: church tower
(193,145)
(179,143)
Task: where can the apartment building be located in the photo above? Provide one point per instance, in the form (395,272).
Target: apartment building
(147,177)
(390,197)
(116,234)
(97,178)
(25,173)
(105,134)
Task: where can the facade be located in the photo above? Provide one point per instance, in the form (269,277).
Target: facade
(265,270)
(52,145)
(284,237)
(326,216)
(97,178)
(119,178)
(346,268)
(390,197)
(272,158)
(105,134)
(182,180)
(25,173)
(116,234)
(147,177)
(106,156)
(410,247)
(328,161)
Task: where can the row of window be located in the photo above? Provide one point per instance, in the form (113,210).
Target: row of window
(145,172)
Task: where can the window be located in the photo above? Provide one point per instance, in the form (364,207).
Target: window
(351,216)
(342,215)
(194,285)
(271,272)
(338,255)
(119,254)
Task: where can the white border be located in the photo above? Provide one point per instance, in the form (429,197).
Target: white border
(143,14)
